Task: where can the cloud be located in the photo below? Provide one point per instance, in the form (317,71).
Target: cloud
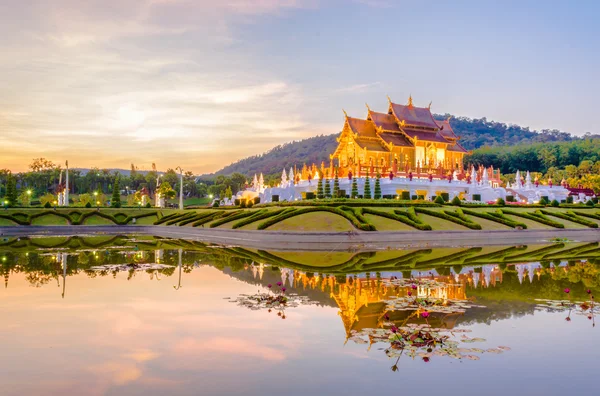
(228,346)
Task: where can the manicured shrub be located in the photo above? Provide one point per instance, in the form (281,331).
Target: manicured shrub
(510,198)
(405,196)
(420,197)
(367,189)
(297,212)
(275,198)
(242,203)
(377,194)
(540,218)
(544,200)
(320,194)
(500,202)
(148,205)
(327,188)
(414,197)
(590,203)
(88,205)
(439,200)
(570,199)
(454,219)
(354,192)
(256,200)
(401,218)
(555,203)
(336,185)
(477,197)
(250,203)
(233,216)
(310,195)
(237,202)
(259,215)
(571,216)
(445,196)
(456,201)
(216,203)
(496,217)
(47,205)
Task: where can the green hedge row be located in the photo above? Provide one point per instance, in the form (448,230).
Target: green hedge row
(466,223)
(536,216)
(590,215)
(74,217)
(495,218)
(260,215)
(358,213)
(338,211)
(209,218)
(571,216)
(192,219)
(234,216)
(401,218)
(391,203)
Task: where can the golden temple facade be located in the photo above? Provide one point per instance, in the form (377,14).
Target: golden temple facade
(405,139)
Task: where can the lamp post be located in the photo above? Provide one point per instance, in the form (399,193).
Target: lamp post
(180,187)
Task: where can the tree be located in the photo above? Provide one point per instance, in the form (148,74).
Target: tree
(378,187)
(327,188)
(228,192)
(47,199)
(354,188)
(166,191)
(25,198)
(85,199)
(336,185)
(367,189)
(320,188)
(11,191)
(115,201)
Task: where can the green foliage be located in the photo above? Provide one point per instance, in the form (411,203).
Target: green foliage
(377,194)
(456,201)
(445,196)
(367,189)
(500,202)
(336,185)
(400,216)
(228,192)
(454,217)
(320,194)
(405,196)
(354,193)
(275,198)
(590,203)
(236,215)
(544,200)
(477,197)
(216,203)
(327,188)
(497,217)
(115,201)
(88,205)
(555,203)
(259,215)
(310,195)
(439,200)
(11,191)
(536,216)
(288,214)
(242,203)
(570,199)
(571,216)
(47,205)
(148,205)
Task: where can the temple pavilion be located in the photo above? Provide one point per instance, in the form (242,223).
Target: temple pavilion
(406,138)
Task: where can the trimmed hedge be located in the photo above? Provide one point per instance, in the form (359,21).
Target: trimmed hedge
(498,218)
(454,219)
(476,197)
(358,213)
(73,217)
(394,203)
(195,218)
(571,216)
(590,215)
(401,218)
(540,218)
(338,211)
(259,215)
(233,216)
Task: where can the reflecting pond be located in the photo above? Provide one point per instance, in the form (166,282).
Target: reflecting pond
(132,315)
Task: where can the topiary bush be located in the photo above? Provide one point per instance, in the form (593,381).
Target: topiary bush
(477,197)
(500,202)
(510,198)
(215,204)
(47,205)
(570,199)
(256,200)
(439,200)
(405,196)
(275,198)
(403,218)
(377,194)
(590,203)
(454,218)
(497,217)
(555,203)
(310,195)
(242,203)
(148,205)
(237,202)
(88,205)
(445,196)
(456,201)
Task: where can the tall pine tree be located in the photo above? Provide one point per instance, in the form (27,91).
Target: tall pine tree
(11,190)
(115,201)
(377,188)
(354,188)
(336,185)
(367,189)
(320,188)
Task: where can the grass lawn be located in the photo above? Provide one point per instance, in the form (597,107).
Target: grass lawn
(49,219)
(97,220)
(316,221)
(438,224)
(385,224)
(6,223)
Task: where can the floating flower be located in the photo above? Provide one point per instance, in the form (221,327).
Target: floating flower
(409,294)
(568,318)
(425,314)
(269,285)
(279,283)
(283,289)
(394,329)
(414,287)
(425,359)
(567,290)
(589,291)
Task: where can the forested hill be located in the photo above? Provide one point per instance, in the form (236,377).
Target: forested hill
(474,133)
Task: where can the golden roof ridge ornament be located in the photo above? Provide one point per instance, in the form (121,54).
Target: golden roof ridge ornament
(410,101)
(389,99)
(429,107)
(368,108)
(345,114)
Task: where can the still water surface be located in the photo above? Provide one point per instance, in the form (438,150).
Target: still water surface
(71,326)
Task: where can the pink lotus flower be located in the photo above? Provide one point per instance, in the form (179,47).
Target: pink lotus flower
(567,290)
(425,359)
(394,329)
(414,287)
(425,314)
(279,283)
(409,294)
(283,289)
(269,285)
(589,291)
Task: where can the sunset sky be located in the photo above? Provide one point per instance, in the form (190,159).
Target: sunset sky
(200,84)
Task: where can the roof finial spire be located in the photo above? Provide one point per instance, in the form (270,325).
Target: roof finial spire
(389,100)
(410,102)
(430,105)
(368,108)
(345,114)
